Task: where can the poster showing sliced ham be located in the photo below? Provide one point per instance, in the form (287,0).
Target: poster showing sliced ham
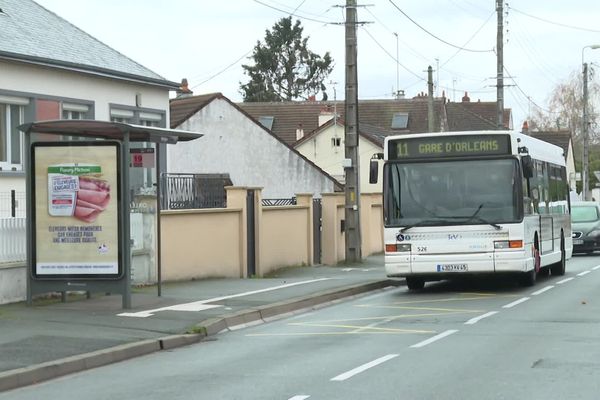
(77,231)
(93,197)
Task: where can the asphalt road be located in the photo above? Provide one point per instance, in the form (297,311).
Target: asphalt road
(479,340)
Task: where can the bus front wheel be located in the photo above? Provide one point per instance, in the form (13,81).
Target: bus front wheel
(529,277)
(415,283)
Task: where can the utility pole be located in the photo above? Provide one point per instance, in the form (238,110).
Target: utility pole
(500,66)
(430,114)
(586,154)
(351,162)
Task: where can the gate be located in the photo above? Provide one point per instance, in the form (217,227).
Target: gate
(251,244)
(317,230)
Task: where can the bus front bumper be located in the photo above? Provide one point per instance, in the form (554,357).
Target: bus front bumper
(407,264)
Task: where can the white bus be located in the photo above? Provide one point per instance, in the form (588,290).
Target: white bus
(483,202)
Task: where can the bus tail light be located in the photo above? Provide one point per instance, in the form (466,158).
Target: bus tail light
(397,248)
(508,244)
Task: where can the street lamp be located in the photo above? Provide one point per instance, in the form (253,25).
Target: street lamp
(585,166)
(397,68)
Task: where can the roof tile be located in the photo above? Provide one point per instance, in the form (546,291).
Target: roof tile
(29,31)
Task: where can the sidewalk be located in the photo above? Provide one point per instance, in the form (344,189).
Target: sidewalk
(52,339)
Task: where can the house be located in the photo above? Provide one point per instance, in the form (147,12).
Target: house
(324,147)
(51,69)
(316,129)
(291,120)
(473,116)
(237,144)
(564,140)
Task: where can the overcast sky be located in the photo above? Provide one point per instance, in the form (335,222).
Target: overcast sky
(207,42)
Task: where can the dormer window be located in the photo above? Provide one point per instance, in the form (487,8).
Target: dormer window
(400,120)
(266,121)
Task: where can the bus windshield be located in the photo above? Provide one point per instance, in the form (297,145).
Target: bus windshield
(452,192)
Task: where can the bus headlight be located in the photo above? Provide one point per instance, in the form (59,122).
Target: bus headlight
(508,244)
(397,248)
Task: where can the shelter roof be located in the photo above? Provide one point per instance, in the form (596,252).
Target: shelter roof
(109,130)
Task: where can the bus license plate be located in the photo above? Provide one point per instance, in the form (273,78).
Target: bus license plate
(452,268)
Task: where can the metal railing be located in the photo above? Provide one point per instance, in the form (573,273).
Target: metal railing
(12,204)
(13,245)
(279,202)
(193,191)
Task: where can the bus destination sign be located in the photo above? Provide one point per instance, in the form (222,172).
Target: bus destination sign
(448,146)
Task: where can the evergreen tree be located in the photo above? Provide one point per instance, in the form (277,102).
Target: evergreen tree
(284,68)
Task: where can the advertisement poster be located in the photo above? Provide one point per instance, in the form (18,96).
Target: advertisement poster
(76,216)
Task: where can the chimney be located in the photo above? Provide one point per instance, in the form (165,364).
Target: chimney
(299,132)
(327,113)
(312,98)
(184,90)
(525,128)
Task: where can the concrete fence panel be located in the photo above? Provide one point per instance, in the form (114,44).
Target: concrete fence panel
(285,238)
(371,223)
(202,244)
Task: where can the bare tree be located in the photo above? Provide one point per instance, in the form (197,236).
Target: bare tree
(565,107)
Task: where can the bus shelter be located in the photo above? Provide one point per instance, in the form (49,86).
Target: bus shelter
(80,200)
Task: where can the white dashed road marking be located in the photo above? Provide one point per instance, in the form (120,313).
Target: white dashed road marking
(542,290)
(583,273)
(364,367)
(564,281)
(434,339)
(514,303)
(477,319)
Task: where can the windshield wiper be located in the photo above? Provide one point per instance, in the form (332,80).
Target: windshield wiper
(478,218)
(426,222)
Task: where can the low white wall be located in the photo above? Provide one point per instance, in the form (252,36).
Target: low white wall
(13,284)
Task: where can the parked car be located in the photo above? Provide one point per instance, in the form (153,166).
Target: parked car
(585,223)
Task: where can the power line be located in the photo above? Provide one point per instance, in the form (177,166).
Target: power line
(415,52)
(391,56)
(299,5)
(532,54)
(471,38)
(223,70)
(296,15)
(431,34)
(554,22)
(456,4)
(246,54)
(525,94)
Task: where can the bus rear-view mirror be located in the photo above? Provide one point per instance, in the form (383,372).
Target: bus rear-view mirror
(527,165)
(373,170)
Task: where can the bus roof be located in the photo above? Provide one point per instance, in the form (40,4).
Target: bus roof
(537,149)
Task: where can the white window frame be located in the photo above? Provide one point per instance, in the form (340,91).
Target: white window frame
(7,102)
(120,115)
(150,119)
(71,108)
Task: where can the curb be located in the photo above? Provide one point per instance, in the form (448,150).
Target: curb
(253,316)
(25,376)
